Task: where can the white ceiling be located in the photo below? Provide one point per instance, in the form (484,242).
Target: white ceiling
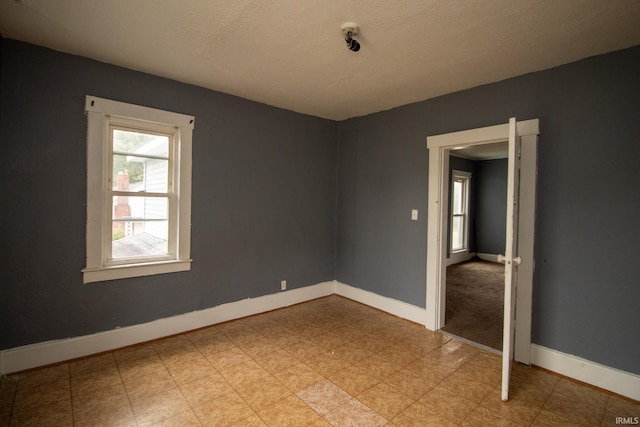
(292,54)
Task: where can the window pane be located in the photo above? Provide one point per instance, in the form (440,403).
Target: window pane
(129,142)
(133,173)
(457,233)
(140,226)
(457,197)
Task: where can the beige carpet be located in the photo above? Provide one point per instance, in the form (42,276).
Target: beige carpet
(475,295)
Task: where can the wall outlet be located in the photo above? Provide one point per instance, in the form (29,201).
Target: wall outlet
(414,214)
(283,285)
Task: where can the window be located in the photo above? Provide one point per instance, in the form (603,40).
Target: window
(460,210)
(138,190)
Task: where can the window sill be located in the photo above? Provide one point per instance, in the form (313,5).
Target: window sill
(100,274)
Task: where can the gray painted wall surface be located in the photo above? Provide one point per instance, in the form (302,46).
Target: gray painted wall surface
(586,286)
(264,199)
(264,182)
(490,206)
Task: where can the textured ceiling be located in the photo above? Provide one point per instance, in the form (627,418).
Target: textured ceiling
(291,54)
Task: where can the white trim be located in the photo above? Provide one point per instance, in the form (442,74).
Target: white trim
(49,352)
(439,147)
(488,257)
(100,112)
(386,304)
(620,382)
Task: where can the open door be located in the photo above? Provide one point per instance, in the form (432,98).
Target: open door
(511,258)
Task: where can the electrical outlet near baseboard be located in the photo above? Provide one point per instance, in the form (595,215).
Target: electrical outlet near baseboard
(283,285)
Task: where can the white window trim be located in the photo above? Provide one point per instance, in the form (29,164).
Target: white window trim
(465,232)
(98,110)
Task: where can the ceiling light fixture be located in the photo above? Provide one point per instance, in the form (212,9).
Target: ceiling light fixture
(350,29)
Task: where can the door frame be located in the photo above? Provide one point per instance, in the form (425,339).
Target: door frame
(439,147)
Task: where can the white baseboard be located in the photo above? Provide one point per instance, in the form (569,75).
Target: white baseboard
(49,352)
(488,257)
(620,382)
(386,304)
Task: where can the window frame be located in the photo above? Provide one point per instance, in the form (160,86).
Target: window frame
(458,175)
(101,113)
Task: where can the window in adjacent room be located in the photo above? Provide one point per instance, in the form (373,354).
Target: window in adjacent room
(138,190)
(460,210)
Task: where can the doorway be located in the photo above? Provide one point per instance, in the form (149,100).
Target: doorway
(439,147)
(474,302)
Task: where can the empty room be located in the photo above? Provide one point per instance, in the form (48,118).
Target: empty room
(247,213)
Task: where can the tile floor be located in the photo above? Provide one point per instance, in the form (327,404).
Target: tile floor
(326,362)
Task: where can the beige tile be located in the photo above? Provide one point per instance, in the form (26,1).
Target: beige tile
(245,373)
(263,393)
(355,413)
(621,407)
(467,387)
(184,419)
(520,411)
(27,397)
(105,405)
(418,415)
(141,367)
(305,349)
(44,375)
(447,404)
(352,352)
(159,407)
(326,363)
(484,417)
(146,384)
(207,334)
(378,366)
(400,355)
(409,383)
(385,400)
(483,366)
(103,362)
(214,345)
(372,343)
(129,354)
(353,380)
(290,411)
(251,421)
(189,367)
(84,384)
(53,414)
(574,409)
(547,418)
(297,377)
(581,392)
(276,360)
(225,410)
(323,396)
(429,370)
(202,390)
(227,358)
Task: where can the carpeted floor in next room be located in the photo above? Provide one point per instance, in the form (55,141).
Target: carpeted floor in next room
(474,307)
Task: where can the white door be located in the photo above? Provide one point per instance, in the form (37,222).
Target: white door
(511,258)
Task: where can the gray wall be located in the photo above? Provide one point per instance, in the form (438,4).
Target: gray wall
(586,286)
(264,199)
(490,206)
(264,183)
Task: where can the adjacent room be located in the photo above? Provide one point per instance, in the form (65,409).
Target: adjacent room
(223,213)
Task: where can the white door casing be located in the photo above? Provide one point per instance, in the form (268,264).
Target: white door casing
(439,147)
